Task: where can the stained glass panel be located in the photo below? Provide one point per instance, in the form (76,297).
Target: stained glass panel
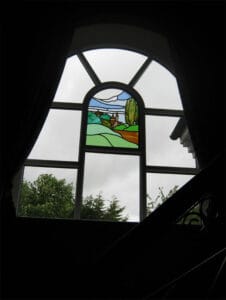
(113,120)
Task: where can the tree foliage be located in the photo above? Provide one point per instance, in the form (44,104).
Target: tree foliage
(46,197)
(152,204)
(50,197)
(96,209)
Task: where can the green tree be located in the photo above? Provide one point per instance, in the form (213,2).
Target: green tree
(46,197)
(52,198)
(95,208)
(114,211)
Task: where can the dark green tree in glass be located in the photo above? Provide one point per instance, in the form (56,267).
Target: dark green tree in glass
(131,112)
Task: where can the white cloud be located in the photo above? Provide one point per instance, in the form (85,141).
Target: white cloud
(159,88)
(116,175)
(60,136)
(161,150)
(115,64)
(74,83)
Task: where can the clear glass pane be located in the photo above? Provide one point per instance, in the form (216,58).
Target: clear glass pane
(162,186)
(114,176)
(113,120)
(161,150)
(115,64)
(75,82)
(60,136)
(47,192)
(158,88)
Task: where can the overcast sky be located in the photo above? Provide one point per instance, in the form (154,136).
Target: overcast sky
(114,174)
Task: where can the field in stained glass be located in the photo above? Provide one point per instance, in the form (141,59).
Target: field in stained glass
(113,120)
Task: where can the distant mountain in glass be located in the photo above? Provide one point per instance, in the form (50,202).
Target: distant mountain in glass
(98,104)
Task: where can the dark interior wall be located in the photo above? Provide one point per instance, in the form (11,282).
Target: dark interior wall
(47,257)
(198,54)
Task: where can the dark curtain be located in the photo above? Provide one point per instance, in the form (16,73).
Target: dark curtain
(36,43)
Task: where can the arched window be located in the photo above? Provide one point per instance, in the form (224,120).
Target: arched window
(112,146)
(108,131)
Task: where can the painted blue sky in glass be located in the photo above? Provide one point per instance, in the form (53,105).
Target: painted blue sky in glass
(115,103)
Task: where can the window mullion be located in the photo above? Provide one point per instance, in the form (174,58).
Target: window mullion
(140,72)
(51,164)
(164,112)
(89,69)
(66,106)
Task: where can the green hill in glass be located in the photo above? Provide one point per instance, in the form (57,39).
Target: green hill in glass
(101,136)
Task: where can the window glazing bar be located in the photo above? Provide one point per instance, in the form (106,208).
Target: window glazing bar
(172,170)
(164,112)
(89,69)
(66,105)
(51,164)
(112,150)
(140,72)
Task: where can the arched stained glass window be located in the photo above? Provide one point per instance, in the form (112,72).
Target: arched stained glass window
(111,123)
